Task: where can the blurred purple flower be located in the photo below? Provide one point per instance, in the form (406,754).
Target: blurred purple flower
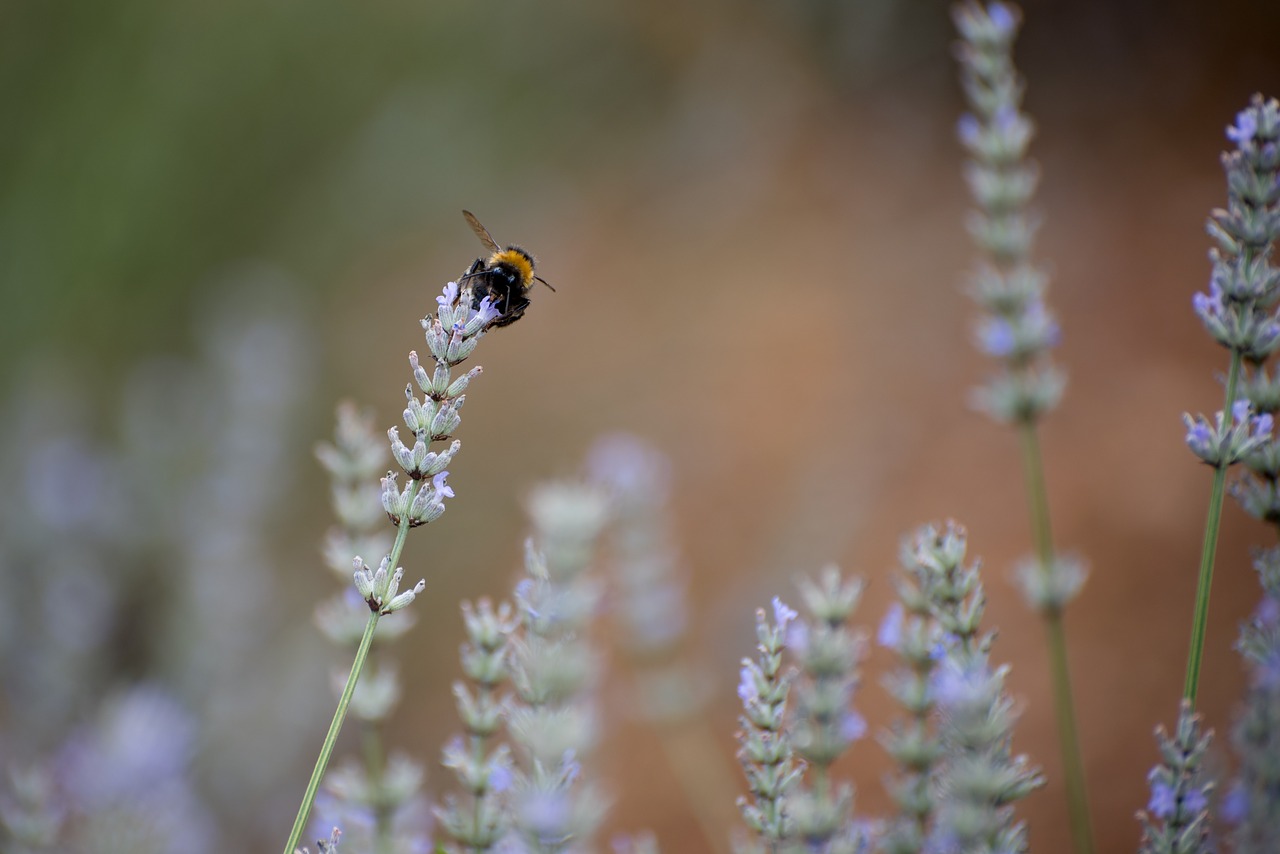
(782,615)
(890,632)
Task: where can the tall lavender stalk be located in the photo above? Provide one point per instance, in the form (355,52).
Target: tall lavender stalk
(797,721)
(910,630)
(478,821)
(1239,312)
(1252,803)
(1018,330)
(554,669)
(1176,820)
(825,724)
(978,778)
(765,749)
(452,335)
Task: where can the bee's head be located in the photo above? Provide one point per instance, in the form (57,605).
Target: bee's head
(517,261)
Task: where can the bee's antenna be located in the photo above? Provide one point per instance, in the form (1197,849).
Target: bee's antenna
(545,282)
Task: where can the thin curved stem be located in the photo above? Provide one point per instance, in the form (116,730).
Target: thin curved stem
(1200,617)
(335,726)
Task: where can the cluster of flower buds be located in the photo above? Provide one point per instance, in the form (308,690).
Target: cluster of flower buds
(1177,816)
(452,334)
(553,669)
(1221,444)
(1259,490)
(825,723)
(1017,328)
(1252,802)
(381,587)
(377,809)
(764,748)
(909,630)
(478,821)
(977,777)
(1239,309)
(418,503)
(353,460)
(934,559)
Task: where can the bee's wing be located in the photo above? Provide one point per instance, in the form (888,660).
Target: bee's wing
(481,232)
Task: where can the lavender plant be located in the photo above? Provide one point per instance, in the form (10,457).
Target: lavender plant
(121,784)
(171,490)
(1252,803)
(765,750)
(1258,490)
(825,724)
(796,722)
(1018,330)
(1239,312)
(452,335)
(477,823)
(978,777)
(910,629)
(554,668)
(1176,820)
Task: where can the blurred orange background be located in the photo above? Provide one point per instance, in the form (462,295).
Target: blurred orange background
(752,214)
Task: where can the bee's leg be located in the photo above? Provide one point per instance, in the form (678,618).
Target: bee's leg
(477,267)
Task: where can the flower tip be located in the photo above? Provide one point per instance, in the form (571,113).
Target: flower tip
(782,615)
(1003,18)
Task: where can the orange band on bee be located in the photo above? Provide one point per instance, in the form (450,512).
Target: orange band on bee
(517,259)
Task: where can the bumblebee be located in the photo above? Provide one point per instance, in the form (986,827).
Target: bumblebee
(506,277)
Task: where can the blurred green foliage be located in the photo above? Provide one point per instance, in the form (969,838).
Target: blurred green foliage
(150,142)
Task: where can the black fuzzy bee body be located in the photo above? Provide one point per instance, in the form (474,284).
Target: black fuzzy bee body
(505,277)
(503,282)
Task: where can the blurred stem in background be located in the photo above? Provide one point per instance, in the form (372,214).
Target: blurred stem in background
(1018,330)
(1056,636)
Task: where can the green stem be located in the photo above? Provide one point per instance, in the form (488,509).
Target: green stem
(326,749)
(1200,618)
(322,761)
(1060,672)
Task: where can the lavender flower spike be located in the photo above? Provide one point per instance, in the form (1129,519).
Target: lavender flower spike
(1252,803)
(764,747)
(452,335)
(826,724)
(1239,311)
(1018,330)
(553,669)
(1176,820)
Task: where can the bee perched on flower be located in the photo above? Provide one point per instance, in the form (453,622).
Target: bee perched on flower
(505,277)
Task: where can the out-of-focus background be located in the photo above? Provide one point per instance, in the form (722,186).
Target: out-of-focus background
(217,219)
